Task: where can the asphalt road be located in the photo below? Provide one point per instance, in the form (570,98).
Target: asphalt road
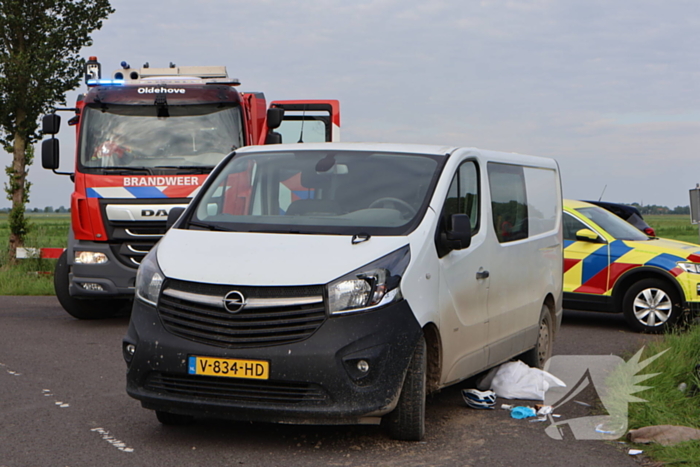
(63,403)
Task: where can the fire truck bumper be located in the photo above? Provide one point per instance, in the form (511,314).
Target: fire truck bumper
(110,278)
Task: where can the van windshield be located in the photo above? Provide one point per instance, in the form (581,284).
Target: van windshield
(339,192)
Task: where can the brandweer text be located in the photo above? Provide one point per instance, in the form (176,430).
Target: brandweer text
(160,181)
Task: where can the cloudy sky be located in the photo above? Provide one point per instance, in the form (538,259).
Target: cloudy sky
(609,89)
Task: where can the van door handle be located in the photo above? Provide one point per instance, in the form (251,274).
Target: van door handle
(482,275)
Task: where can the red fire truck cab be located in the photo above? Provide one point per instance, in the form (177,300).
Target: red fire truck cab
(145,141)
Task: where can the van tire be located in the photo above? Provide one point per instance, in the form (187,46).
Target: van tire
(407,421)
(538,355)
(655,297)
(81,309)
(173,419)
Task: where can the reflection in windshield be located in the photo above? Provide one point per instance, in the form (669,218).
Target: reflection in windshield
(618,228)
(319,192)
(133,136)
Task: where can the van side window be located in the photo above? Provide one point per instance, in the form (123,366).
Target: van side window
(543,200)
(463,195)
(571,226)
(508,201)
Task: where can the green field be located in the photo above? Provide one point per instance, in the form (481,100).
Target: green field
(33,276)
(675,226)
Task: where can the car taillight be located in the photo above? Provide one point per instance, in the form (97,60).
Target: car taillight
(649,231)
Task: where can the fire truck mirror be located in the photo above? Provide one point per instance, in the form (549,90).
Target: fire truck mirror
(49,154)
(273,138)
(50,124)
(275,115)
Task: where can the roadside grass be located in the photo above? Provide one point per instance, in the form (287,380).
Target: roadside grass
(666,403)
(675,226)
(33,276)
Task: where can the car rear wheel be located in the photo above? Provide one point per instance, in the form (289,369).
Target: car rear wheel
(651,305)
(407,421)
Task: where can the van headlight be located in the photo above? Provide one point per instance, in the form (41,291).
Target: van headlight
(149,279)
(371,286)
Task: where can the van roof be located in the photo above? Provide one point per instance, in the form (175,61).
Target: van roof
(435,150)
(383,147)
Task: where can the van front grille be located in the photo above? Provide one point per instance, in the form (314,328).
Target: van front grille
(238,390)
(271,316)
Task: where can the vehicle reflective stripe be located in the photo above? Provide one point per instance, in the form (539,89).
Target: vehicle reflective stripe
(594,263)
(570,263)
(665,261)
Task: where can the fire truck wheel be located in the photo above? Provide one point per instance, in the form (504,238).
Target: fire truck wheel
(82,309)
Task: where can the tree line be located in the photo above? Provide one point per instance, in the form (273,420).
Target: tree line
(656,209)
(40,42)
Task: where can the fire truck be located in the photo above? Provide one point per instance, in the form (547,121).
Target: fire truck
(146,138)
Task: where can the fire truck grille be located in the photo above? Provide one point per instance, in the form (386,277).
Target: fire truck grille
(134,242)
(236,390)
(271,315)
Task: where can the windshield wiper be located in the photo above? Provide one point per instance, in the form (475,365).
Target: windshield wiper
(204,225)
(360,238)
(125,170)
(193,169)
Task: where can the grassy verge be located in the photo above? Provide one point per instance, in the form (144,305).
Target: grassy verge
(667,405)
(33,276)
(675,226)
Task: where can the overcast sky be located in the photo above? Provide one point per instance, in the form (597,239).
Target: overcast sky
(610,89)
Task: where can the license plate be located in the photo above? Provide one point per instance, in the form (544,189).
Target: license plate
(228,367)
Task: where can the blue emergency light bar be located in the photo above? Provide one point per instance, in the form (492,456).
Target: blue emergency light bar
(105,82)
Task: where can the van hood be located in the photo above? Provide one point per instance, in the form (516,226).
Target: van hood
(266,259)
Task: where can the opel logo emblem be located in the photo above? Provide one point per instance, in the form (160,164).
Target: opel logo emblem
(234,301)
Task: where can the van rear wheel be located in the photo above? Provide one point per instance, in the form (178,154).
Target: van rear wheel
(407,421)
(538,356)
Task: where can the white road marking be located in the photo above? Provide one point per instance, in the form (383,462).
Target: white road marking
(121,445)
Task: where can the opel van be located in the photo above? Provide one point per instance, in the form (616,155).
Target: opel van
(340,283)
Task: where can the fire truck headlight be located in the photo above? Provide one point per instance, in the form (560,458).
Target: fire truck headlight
(90,257)
(149,279)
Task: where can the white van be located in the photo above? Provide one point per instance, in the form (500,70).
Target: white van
(339,283)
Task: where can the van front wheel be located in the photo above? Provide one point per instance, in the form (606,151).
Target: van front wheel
(407,421)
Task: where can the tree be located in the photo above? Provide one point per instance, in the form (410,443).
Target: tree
(39,62)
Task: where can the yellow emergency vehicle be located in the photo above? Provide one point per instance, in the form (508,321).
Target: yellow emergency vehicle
(611,266)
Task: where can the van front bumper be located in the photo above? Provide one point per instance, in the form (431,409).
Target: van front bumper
(316,380)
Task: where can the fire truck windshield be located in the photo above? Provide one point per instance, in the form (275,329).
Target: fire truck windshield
(136,137)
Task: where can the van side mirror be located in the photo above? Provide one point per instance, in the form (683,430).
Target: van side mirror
(587,235)
(49,154)
(173,216)
(275,115)
(50,124)
(458,236)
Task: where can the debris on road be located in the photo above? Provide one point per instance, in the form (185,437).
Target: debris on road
(521,412)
